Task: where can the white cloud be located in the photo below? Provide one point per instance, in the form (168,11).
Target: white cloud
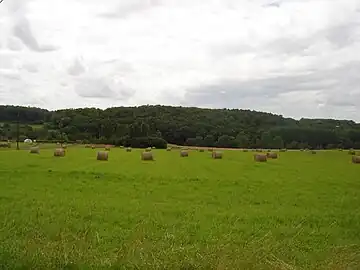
(285,56)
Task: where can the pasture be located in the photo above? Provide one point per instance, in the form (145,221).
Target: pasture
(301,211)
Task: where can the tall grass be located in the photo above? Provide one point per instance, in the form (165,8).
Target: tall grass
(301,211)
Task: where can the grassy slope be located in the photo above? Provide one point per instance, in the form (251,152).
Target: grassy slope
(299,211)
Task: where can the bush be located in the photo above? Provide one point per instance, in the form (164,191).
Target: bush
(145,142)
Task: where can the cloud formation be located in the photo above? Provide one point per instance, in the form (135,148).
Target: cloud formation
(298,58)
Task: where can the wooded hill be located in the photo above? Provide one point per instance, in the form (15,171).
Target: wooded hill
(155,125)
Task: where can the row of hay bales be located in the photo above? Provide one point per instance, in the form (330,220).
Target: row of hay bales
(147,155)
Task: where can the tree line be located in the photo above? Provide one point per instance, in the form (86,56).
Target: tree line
(158,125)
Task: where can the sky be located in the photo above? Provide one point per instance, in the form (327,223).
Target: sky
(297,58)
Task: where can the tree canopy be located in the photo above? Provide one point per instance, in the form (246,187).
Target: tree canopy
(156,125)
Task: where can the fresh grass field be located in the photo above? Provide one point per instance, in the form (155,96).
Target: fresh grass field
(301,211)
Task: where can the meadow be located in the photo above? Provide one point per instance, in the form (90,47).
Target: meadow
(300,211)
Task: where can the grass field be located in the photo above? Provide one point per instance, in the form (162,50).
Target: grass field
(301,211)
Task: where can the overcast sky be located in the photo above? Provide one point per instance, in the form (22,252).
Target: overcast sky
(299,58)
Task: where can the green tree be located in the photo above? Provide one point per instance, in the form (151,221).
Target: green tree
(277,143)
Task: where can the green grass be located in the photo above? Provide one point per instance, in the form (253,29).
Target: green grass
(301,211)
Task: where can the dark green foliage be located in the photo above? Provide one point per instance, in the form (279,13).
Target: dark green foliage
(144,142)
(146,126)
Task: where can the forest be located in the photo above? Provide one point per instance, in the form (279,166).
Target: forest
(144,126)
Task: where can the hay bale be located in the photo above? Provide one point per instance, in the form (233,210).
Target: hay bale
(5,145)
(93,147)
(107,148)
(184,153)
(129,149)
(260,158)
(59,152)
(148,149)
(147,156)
(352,152)
(103,156)
(210,150)
(34,150)
(356,159)
(64,146)
(121,147)
(153,147)
(168,149)
(87,146)
(313,152)
(272,155)
(217,155)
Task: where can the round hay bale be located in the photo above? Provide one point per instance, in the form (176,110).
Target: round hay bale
(260,158)
(184,153)
(5,145)
(356,159)
(129,149)
(148,149)
(272,155)
(107,148)
(103,156)
(352,152)
(217,155)
(59,152)
(147,156)
(34,150)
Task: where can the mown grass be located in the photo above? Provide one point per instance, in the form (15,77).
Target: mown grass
(301,211)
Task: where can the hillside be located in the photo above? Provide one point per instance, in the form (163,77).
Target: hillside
(177,125)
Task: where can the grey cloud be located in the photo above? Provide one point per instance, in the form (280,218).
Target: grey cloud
(32,68)
(23,31)
(76,68)
(13,76)
(14,44)
(101,88)
(334,88)
(6,61)
(343,35)
(128,8)
(273,4)
(339,36)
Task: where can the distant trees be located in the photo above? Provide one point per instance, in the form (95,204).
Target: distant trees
(156,125)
